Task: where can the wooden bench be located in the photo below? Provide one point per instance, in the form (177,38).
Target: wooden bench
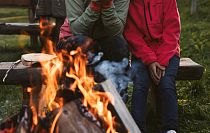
(20,28)
(31,28)
(188,70)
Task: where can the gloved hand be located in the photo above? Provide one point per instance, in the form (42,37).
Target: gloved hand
(63,44)
(95,5)
(106,4)
(72,42)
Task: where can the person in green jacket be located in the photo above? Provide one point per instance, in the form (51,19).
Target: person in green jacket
(101,20)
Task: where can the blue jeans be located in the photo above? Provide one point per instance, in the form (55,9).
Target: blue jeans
(166,91)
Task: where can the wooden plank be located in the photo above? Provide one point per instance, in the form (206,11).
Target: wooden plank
(189,70)
(19,28)
(120,108)
(15,3)
(20,75)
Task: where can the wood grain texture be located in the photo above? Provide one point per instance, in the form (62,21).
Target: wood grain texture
(20,75)
(188,70)
(120,108)
(29,59)
(72,121)
(19,28)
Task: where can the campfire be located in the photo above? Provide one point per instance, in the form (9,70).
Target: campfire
(69,99)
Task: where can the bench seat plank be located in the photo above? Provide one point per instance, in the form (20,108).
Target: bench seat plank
(188,70)
(19,29)
(20,74)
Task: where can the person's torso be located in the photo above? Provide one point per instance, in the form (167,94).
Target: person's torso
(147,18)
(98,30)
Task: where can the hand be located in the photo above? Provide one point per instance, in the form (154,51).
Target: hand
(72,42)
(160,70)
(106,4)
(95,5)
(156,72)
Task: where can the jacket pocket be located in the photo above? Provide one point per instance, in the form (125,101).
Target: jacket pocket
(155,9)
(155,12)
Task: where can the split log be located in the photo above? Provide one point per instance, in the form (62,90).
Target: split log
(72,121)
(32,58)
(120,108)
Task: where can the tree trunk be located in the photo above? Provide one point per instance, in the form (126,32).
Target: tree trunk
(193,6)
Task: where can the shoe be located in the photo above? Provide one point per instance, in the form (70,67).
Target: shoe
(171,131)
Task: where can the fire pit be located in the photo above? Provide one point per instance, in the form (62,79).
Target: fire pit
(67,99)
(66,109)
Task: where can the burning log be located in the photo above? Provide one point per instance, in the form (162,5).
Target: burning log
(72,117)
(72,120)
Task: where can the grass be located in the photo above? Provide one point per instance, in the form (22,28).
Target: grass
(10,100)
(11,12)
(11,48)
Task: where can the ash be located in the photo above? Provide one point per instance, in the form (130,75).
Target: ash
(116,72)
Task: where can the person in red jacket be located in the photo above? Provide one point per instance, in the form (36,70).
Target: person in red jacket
(153,33)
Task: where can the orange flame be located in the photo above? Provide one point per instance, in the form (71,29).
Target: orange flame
(33,109)
(55,121)
(95,101)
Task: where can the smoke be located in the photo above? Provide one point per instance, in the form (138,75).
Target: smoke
(116,72)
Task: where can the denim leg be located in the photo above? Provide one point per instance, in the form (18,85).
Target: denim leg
(141,81)
(168,96)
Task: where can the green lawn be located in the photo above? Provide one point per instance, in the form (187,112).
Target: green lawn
(11,46)
(12,12)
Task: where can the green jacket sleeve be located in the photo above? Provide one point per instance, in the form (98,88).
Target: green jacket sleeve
(81,19)
(114,18)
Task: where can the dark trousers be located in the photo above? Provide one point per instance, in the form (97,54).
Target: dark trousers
(166,91)
(114,48)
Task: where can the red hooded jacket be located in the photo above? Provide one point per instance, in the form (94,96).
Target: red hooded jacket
(153,30)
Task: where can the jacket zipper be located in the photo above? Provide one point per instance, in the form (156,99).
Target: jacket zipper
(145,17)
(150,15)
